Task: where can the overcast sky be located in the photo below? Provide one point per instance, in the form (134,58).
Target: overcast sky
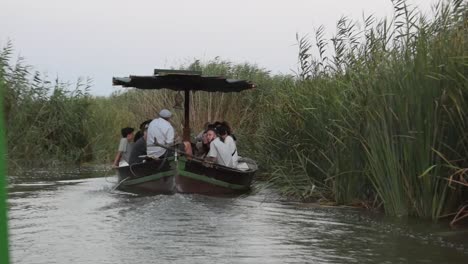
(105,38)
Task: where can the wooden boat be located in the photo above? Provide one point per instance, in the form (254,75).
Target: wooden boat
(182,172)
(194,176)
(152,176)
(184,175)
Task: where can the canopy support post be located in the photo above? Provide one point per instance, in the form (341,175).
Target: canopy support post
(186,136)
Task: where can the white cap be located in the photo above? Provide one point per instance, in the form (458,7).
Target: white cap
(165,113)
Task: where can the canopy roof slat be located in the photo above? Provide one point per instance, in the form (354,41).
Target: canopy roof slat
(180,72)
(183,81)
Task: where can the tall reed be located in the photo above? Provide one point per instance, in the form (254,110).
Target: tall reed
(380,118)
(43,119)
(50,123)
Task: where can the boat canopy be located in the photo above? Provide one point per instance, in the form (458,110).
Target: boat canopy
(182,81)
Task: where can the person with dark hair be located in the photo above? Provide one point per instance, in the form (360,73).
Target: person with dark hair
(227,139)
(208,137)
(200,141)
(229,130)
(222,132)
(199,137)
(143,127)
(231,146)
(139,148)
(125,145)
(212,126)
(220,152)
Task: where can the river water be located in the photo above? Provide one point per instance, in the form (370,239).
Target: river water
(84,221)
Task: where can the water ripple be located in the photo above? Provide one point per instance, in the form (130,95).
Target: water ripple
(81,221)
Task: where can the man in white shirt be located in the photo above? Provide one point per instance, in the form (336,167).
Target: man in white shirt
(162,131)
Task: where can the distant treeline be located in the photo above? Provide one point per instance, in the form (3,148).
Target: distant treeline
(376,118)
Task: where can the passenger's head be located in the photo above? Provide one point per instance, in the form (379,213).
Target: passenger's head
(217,123)
(127,132)
(145,124)
(210,126)
(222,130)
(210,135)
(228,127)
(166,114)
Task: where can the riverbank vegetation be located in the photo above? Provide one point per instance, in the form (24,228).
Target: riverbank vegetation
(376,118)
(381,119)
(44,119)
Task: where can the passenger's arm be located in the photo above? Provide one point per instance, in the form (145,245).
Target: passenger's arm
(122,147)
(117,158)
(213,153)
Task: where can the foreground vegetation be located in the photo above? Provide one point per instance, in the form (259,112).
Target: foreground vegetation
(378,118)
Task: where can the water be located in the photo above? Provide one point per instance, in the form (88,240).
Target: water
(81,221)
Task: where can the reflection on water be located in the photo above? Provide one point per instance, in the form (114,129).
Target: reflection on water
(80,221)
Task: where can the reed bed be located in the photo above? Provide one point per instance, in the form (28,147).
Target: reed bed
(378,120)
(51,123)
(43,119)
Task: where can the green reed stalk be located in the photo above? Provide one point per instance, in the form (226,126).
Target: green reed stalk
(4,250)
(381,118)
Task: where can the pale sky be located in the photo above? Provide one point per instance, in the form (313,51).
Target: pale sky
(105,38)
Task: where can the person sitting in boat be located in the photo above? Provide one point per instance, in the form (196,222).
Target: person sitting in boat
(220,152)
(160,131)
(200,140)
(229,141)
(143,128)
(125,146)
(139,148)
(199,137)
(228,129)
(203,141)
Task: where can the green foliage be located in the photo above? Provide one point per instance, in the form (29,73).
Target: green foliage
(44,121)
(4,252)
(47,123)
(384,117)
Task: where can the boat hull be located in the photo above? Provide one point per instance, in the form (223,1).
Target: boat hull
(194,177)
(183,176)
(152,177)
